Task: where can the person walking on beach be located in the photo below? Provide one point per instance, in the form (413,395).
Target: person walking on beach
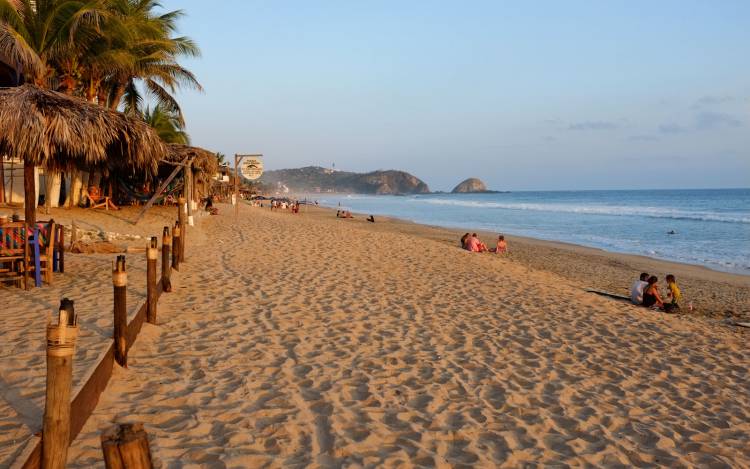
(636,291)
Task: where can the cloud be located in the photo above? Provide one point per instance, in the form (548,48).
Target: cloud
(593,125)
(643,138)
(712,120)
(710,101)
(671,128)
(549,139)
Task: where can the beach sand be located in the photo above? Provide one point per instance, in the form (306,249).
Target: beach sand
(87,281)
(295,340)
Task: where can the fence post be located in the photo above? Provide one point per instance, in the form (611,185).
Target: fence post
(176,246)
(126,446)
(61,341)
(152,252)
(166,267)
(120,284)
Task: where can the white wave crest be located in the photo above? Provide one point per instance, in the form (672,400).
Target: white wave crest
(614,210)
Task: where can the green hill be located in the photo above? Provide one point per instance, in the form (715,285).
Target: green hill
(317,179)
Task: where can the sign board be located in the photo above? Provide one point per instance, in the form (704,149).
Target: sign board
(251,167)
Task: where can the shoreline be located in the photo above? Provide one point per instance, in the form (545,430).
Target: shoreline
(555,242)
(714,293)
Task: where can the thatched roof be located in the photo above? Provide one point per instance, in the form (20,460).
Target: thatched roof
(204,161)
(57,131)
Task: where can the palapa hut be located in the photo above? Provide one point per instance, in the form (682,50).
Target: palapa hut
(204,166)
(59,132)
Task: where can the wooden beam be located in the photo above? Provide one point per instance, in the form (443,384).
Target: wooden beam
(160,190)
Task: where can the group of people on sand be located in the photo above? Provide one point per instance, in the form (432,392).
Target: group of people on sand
(645,292)
(284,205)
(472,243)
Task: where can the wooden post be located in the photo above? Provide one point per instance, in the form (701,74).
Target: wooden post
(120,285)
(61,250)
(61,341)
(2,179)
(176,246)
(125,446)
(29,193)
(166,266)
(152,252)
(236,185)
(73,234)
(190,195)
(183,230)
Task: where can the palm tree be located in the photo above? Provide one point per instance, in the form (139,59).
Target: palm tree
(154,52)
(220,157)
(35,35)
(166,124)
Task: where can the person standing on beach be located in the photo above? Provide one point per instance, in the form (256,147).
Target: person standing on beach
(636,291)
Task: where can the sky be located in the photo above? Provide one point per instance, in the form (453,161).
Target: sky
(547,95)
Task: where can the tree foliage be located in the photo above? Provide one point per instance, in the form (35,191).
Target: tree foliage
(108,51)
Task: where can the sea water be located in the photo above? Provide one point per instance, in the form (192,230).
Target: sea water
(711,227)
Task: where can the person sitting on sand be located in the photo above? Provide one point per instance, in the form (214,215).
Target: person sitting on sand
(636,291)
(502,246)
(651,296)
(371,219)
(473,244)
(464,240)
(674,295)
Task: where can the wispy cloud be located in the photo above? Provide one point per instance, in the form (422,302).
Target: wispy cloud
(593,125)
(711,101)
(711,120)
(704,120)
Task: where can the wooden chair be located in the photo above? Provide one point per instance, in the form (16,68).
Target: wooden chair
(100,201)
(14,253)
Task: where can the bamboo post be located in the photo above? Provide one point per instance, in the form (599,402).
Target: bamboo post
(183,231)
(61,341)
(125,446)
(152,252)
(120,285)
(176,246)
(166,266)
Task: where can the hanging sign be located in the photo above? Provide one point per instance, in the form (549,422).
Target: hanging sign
(251,167)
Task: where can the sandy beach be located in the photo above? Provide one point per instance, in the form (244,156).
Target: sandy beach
(306,340)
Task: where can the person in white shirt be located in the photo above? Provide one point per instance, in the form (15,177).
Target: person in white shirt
(636,291)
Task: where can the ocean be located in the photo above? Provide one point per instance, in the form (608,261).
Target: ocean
(711,227)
